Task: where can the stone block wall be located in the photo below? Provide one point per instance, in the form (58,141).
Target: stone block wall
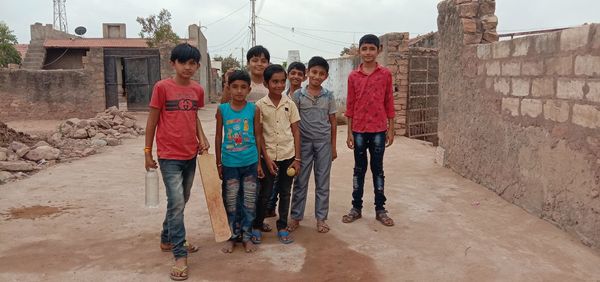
(395,56)
(522,117)
(53,94)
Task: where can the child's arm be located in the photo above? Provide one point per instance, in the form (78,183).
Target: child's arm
(297,153)
(258,136)
(350,137)
(350,112)
(202,140)
(333,122)
(150,131)
(390,112)
(219,141)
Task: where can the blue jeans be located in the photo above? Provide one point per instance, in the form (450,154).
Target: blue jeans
(178,176)
(240,188)
(375,144)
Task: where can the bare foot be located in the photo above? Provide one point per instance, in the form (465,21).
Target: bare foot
(228,247)
(293,225)
(249,246)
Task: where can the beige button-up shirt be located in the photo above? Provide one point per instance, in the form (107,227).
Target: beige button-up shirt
(276,124)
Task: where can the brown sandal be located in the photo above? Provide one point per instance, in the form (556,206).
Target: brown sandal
(384,218)
(179,273)
(322,227)
(353,215)
(167,247)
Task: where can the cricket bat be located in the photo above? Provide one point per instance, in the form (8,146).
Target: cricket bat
(214,199)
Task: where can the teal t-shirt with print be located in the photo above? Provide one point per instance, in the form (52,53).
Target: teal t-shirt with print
(239,145)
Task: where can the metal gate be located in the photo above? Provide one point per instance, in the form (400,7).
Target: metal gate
(423,98)
(140,71)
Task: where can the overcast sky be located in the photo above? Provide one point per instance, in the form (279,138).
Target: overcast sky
(314,27)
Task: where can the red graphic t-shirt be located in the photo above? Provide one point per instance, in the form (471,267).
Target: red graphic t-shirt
(176,137)
(370,101)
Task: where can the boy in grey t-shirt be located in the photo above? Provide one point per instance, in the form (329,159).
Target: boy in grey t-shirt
(318,143)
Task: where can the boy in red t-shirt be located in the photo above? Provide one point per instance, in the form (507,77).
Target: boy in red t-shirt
(179,138)
(370,112)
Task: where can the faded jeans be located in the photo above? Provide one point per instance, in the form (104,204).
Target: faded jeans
(178,176)
(239,197)
(375,144)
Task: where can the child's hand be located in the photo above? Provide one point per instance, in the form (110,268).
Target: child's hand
(333,153)
(296,165)
(220,170)
(350,141)
(150,162)
(272,166)
(389,137)
(203,147)
(261,173)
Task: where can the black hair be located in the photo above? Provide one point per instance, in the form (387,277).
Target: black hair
(271,70)
(256,51)
(369,39)
(298,66)
(239,75)
(318,61)
(184,52)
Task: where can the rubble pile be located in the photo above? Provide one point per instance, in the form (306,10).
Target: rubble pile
(74,138)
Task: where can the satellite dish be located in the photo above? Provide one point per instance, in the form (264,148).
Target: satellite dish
(80,30)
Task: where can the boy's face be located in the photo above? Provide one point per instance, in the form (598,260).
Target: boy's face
(368,52)
(186,69)
(316,76)
(257,65)
(296,77)
(239,89)
(276,84)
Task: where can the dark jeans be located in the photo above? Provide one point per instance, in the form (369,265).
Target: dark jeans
(240,199)
(375,144)
(178,176)
(283,185)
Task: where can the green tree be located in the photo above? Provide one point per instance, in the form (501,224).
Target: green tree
(352,51)
(228,62)
(8,52)
(157,29)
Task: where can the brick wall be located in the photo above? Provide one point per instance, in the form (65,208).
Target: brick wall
(394,56)
(53,94)
(522,117)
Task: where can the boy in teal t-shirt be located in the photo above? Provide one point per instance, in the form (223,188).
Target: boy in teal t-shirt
(237,135)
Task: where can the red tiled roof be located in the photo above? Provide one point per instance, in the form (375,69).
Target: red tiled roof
(22,48)
(96,42)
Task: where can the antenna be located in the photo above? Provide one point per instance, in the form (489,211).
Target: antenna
(60,15)
(253,27)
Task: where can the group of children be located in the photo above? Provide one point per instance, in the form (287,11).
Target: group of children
(268,137)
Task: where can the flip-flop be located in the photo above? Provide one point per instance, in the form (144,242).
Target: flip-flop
(182,271)
(322,227)
(283,233)
(167,247)
(256,236)
(294,225)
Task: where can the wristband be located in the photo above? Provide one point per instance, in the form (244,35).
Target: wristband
(147,149)
(297,159)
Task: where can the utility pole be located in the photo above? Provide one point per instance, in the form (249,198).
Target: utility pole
(60,15)
(253,27)
(242,61)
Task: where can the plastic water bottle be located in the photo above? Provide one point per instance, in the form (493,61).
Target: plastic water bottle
(151,188)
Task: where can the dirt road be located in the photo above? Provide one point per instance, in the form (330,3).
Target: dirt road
(86,221)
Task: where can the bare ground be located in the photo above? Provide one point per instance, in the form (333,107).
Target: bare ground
(86,221)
